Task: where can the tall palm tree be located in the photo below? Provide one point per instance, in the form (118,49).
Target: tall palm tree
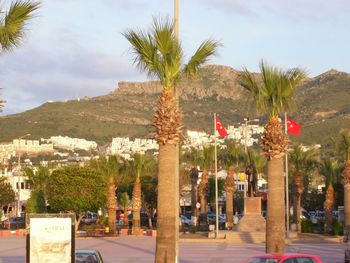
(110,167)
(140,163)
(160,54)
(302,162)
(206,163)
(331,171)
(13,25)
(345,147)
(192,157)
(124,202)
(230,158)
(273,95)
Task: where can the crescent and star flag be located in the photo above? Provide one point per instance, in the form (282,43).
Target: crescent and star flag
(220,128)
(293,127)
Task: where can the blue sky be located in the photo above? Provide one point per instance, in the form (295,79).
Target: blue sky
(75,48)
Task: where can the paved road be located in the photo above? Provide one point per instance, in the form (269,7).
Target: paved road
(128,249)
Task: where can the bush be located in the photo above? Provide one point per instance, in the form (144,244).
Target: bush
(306,226)
(338,227)
(193,229)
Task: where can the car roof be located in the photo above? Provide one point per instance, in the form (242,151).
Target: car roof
(85,251)
(285,255)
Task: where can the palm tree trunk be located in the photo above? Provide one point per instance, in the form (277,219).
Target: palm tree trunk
(346,175)
(111,205)
(298,212)
(299,188)
(203,196)
(168,206)
(229,188)
(275,222)
(194,191)
(328,208)
(126,219)
(136,207)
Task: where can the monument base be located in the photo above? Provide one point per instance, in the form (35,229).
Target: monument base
(252,221)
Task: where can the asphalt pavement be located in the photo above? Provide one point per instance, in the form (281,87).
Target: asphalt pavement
(129,249)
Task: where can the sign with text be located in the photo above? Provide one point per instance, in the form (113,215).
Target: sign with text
(50,239)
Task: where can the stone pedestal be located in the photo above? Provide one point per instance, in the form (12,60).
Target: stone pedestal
(252,221)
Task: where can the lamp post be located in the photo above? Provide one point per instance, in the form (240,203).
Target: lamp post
(19,174)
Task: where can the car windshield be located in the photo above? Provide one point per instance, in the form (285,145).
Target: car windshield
(85,258)
(264,260)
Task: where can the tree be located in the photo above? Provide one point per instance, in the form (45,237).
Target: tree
(345,148)
(38,182)
(331,172)
(302,163)
(206,162)
(140,163)
(273,94)
(110,167)
(192,157)
(77,189)
(149,196)
(7,194)
(124,201)
(160,54)
(231,158)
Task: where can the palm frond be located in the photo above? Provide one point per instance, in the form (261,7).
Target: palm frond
(345,143)
(207,49)
(13,24)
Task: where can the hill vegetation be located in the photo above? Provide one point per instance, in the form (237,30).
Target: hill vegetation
(323,109)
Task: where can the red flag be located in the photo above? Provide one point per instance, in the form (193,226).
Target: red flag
(293,127)
(220,128)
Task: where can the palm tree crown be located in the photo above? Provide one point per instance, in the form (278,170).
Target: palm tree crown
(13,23)
(274,92)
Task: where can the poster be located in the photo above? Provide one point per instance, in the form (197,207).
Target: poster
(50,240)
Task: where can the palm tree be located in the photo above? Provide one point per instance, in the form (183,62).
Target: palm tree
(273,95)
(206,162)
(13,25)
(345,147)
(302,162)
(110,167)
(139,164)
(160,54)
(38,181)
(230,158)
(124,201)
(192,157)
(331,171)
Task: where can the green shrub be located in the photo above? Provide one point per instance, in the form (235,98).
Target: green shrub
(337,227)
(193,229)
(306,226)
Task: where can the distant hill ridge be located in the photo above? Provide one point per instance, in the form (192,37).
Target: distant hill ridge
(323,108)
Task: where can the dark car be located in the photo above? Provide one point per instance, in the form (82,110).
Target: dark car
(143,219)
(14,223)
(88,256)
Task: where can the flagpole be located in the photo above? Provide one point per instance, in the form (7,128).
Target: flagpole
(286,173)
(216,182)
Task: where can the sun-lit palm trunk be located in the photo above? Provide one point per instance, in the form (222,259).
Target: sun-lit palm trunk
(328,208)
(346,178)
(275,222)
(111,204)
(167,212)
(203,189)
(194,191)
(299,188)
(136,207)
(229,189)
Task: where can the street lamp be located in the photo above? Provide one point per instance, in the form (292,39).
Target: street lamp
(19,174)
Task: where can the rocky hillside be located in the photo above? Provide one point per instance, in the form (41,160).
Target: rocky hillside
(323,108)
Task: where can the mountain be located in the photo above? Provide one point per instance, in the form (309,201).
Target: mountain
(323,109)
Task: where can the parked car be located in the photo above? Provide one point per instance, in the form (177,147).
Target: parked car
(285,258)
(88,256)
(89,218)
(185,221)
(15,222)
(143,220)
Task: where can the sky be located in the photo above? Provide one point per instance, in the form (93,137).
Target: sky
(75,48)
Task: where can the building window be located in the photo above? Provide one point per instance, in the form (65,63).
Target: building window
(17,186)
(22,185)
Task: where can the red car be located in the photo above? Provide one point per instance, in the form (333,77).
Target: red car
(285,258)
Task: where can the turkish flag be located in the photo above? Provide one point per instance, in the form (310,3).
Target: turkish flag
(293,127)
(220,128)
